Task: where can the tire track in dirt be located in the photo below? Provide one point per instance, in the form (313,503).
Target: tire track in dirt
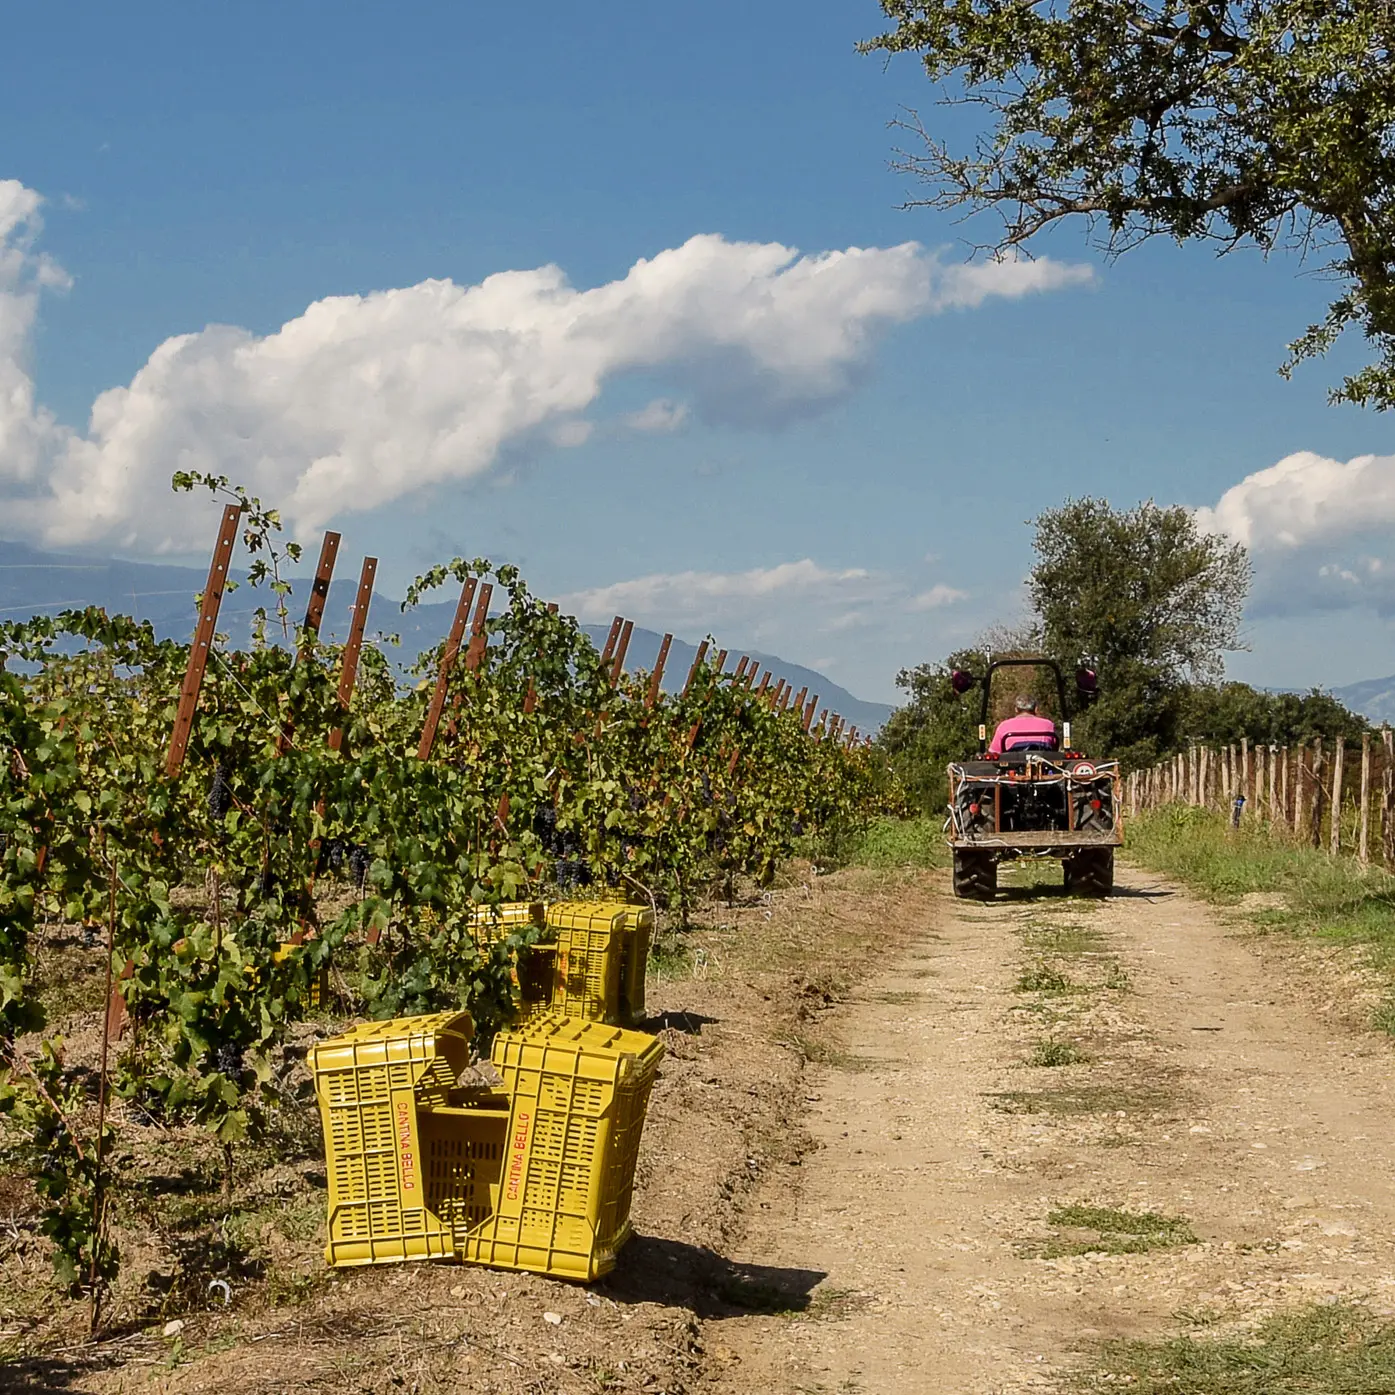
(1198,1085)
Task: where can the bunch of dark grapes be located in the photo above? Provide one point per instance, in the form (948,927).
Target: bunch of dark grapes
(227,1060)
(358,864)
(706,788)
(572,872)
(334,853)
(636,800)
(4,843)
(219,794)
(545,829)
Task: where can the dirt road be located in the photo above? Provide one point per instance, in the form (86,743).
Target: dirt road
(1058,1121)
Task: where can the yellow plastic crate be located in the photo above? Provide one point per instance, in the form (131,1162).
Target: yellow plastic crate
(373,1084)
(319,983)
(489,924)
(634,964)
(578,1092)
(590,940)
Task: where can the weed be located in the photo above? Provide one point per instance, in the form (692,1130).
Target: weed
(1067,939)
(1116,1232)
(1116,978)
(1338,1347)
(670,957)
(822,1053)
(1056,1053)
(1042,978)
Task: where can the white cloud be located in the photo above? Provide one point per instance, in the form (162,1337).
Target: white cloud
(1315,528)
(364,399)
(936,597)
(1306,499)
(693,594)
(658,415)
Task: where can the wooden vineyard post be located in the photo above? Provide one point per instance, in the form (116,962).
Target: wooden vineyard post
(1387,808)
(1245,771)
(809,712)
(1298,792)
(1363,824)
(618,665)
(314,617)
(696,668)
(348,673)
(740,669)
(202,643)
(1339,757)
(1228,771)
(800,696)
(608,652)
(438,695)
(721,661)
(479,636)
(657,677)
(1205,790)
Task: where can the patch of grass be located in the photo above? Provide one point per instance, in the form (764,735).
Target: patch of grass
(829,1301)
(1069,938)
(900,997)
(1338,1348)
(1044,978)
(886,842)
(1319,895)
(1056,1053)
(1117,979)
(1116,1232)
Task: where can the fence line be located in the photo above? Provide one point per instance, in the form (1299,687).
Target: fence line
(1341,798)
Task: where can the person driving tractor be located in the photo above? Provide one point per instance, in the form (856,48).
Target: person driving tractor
(1025,730)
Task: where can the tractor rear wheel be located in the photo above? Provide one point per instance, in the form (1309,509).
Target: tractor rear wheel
(1090,872)
(975,875)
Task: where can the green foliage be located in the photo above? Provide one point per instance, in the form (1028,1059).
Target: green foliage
(1329,1347)
(934,727)
(1220,714)
(1257,123)
(1147,596)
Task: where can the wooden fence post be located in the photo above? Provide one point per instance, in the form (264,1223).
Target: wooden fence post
(1315,824)
(1363,825)
(1338,771)
(1387,808)
(1298,794)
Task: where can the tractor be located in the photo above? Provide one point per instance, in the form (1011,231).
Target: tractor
(1039,799)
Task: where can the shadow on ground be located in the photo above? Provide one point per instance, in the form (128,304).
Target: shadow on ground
(656,1270)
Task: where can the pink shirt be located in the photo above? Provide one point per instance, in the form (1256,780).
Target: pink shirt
(1016,729)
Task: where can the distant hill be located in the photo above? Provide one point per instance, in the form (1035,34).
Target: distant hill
(33,581)
(1373,698)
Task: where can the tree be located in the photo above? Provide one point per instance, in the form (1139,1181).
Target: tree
(1261,123)
(935,727)
(1146,596)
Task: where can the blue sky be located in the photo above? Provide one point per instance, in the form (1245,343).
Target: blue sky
(857,509)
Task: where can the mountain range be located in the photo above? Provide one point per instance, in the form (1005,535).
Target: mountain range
(33,581)
(1373,698)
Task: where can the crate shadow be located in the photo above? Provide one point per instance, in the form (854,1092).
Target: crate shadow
(689,1023)
(653,1269)
(49,1375)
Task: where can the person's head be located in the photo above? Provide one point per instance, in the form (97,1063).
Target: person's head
(1025,703)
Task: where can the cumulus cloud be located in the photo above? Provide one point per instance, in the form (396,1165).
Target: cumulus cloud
(936,597)
(1307,499)
(1316,531)
(363,399)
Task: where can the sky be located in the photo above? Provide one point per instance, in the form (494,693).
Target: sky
(626,295)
